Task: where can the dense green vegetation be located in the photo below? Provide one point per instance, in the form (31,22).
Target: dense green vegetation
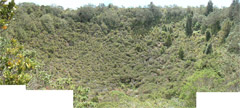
(16,65)
(146,57)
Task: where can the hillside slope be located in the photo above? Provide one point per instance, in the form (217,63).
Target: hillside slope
(140,56)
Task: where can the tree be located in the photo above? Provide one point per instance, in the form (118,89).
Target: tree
(226,28)
(181,53)
(155,11)
(144,17)
(215,27)
(101,7)
(86,13)
(188,28)
(48,23)
(213,21)
(208,36)
(110,18)
(209,8)
(234,10)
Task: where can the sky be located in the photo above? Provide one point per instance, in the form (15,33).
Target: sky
(74,4)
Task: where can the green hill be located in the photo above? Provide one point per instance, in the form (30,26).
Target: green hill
(134,57)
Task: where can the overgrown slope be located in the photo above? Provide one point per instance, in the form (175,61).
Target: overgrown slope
(144,57)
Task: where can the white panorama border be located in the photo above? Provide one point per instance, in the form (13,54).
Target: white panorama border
(218,99)
(16,96)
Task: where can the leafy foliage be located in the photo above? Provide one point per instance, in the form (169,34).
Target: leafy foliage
(16,65)
(6,13)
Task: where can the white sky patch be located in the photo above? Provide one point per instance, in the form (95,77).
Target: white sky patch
(74,4)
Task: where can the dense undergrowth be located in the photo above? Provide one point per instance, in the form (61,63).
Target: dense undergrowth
(131,57)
